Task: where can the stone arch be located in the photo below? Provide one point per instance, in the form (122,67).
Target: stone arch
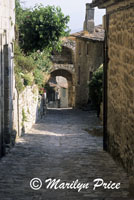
(70,79)
(62,72)
(63,64)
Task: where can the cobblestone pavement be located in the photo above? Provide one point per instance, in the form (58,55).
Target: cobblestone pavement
(59,147)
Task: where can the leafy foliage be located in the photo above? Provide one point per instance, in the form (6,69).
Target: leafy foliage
(42,27)
(28,79)
(19,83)
(42,60)
(31,69)
(24,117)
(38,77)
(38,31)
(22,62)
(18,12)
(43,66)
(95,87)
(23,65)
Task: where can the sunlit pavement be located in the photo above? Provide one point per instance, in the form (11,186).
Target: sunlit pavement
(59,147)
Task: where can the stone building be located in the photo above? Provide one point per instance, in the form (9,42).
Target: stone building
(89,55)
(64,65)
(81,55)
(7,21)
(57,93)
(63,91)
(119,81)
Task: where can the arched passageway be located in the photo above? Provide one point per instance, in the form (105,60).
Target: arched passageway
(70,84)
(63,65)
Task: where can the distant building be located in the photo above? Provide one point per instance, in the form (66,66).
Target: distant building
(7,21)
(89,55)
(63,91)
(57,93)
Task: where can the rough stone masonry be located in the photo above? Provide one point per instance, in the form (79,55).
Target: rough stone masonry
(119,63)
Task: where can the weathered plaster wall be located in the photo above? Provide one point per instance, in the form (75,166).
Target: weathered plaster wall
(64,97)
(7,21)
(120,113)
(26,109)
(89,56)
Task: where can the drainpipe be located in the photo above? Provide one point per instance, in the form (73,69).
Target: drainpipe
(18,113)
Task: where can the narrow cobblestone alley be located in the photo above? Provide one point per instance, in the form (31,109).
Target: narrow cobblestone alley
(60,147)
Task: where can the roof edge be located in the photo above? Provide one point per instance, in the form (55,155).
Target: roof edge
(103,3)
(97,3)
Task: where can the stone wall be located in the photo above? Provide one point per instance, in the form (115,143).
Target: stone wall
(26,109)
(63,57)
(120,110)
(89,56)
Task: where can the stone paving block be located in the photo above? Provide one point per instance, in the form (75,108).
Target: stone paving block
(59,147)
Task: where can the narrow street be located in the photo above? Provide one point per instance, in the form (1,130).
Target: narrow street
(60,147)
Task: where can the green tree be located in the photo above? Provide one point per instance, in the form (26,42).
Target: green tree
(96,88)
(38,32)
(42,27)
(18,12)
(42,60)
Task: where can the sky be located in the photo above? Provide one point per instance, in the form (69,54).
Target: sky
(74,8)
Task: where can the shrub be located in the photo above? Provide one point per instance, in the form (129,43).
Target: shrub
(23,63)
(24,117)
(28,79)
(32,68)
(38,77)
(96,87)
(26,63)
(19,83)
(42,60)
(23,66)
